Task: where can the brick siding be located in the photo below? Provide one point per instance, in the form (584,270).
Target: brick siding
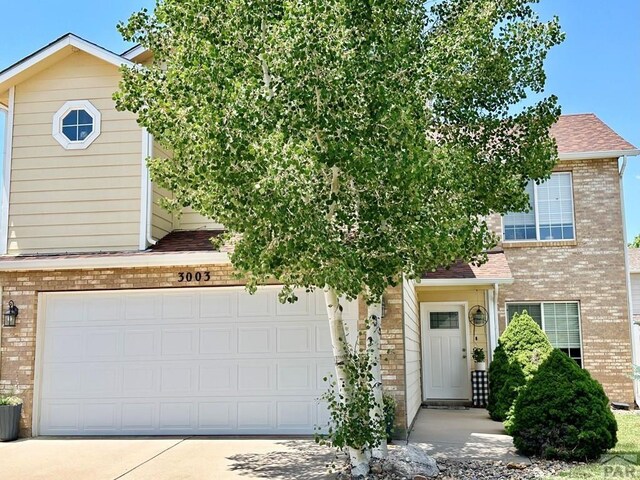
(590,270)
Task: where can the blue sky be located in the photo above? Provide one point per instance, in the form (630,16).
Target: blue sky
(596,69)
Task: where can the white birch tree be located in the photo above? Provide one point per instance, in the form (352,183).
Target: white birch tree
(346,143)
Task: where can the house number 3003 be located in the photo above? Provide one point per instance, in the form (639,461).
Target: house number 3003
(194,277)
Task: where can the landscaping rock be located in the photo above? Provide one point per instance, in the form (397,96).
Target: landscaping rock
(410,461)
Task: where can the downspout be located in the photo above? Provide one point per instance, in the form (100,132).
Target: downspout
(635,348)
(146,193)
(150,239)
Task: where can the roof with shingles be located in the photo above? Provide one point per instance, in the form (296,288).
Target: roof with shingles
(584,132)
(634,260)
(495,267)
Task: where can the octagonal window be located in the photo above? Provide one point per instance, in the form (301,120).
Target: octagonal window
(76,124)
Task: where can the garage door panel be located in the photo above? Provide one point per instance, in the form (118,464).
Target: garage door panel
(140,343)
(294,415)
(255,339)
(180,306)
(177,379)
(260,304)
(64,345)
(141,380)
(218,341)
(142,307)
(294,339)
(216,305)
(216,378)
(189,361)
(214,417)
(177,416)
(101,417)
(179,341)
(139,417)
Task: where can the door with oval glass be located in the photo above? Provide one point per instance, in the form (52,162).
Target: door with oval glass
(445,366)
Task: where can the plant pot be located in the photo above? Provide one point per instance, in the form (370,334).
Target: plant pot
(9,422)
(481,366)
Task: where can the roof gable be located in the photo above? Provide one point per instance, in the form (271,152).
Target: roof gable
(51,54)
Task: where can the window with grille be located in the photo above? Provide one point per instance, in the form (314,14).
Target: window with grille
(550,213)
(559,320)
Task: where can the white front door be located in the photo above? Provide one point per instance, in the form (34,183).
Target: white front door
(445,366)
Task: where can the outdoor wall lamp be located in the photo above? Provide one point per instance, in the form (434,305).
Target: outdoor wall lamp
(10,315)
(383,307)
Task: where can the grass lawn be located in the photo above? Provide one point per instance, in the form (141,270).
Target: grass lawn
(616,468)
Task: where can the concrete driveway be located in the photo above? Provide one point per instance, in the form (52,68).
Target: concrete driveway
(189,458)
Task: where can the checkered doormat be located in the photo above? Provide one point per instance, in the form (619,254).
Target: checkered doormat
(479,388)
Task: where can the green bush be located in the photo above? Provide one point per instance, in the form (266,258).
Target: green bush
(521,349)
(563,413)
(389,414)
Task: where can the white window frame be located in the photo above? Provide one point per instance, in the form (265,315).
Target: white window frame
(541,303)
(62,112)
(537,219)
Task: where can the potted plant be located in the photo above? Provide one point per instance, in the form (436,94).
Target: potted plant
(479,357)
(10,409)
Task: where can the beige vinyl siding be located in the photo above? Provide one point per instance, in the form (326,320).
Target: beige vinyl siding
(187,220)
(190,220)
(635,293)
(412,349)
(73,200)
(162,221)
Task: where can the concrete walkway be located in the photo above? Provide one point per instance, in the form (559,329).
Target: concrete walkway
(163,458)
(463,434)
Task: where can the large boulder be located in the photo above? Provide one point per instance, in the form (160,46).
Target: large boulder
(410,461)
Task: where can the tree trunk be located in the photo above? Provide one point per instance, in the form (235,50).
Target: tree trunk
(359,458)
(374,314)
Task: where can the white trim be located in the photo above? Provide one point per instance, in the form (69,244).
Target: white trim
(457,282)
(38,363)
(423,336)
(494,326)
(149,237)
(6,173)
(134,52)
(145,211)
(58,117)
(633,328)
(67,40)
(116,261)
(598,155)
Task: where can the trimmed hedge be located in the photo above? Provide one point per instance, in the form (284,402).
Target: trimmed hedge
(563,413)
(521,349)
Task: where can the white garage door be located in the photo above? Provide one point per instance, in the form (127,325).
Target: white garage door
(183,361)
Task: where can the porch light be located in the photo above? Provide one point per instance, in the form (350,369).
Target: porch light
(10,315)
(478,315)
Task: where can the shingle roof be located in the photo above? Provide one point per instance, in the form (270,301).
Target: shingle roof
(634,260)
(496,267)
(186,241)
(585,132)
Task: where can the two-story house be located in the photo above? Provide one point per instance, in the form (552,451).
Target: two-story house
(128,322)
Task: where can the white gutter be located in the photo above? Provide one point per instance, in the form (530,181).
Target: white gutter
(6,173)
(452,282)
(146,193)
(134,260)
(598,155)
(635,348)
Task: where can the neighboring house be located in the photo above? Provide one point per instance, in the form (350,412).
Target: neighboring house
(634,271)
(130,323)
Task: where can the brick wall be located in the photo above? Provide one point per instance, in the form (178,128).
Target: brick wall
(392,354)
(17,345)
(590,270)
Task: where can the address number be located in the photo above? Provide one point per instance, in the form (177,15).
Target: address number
(194,277)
